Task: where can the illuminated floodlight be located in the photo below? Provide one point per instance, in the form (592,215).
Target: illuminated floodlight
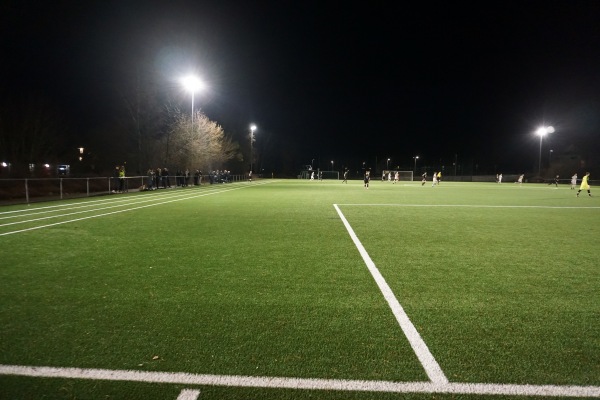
(544,130)
(47,165)
(252,129)
(192,84)
(541,132)
(4,164)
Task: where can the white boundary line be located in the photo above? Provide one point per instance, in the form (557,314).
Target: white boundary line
(465,206)
(301,383)
(432,368)
(188,394)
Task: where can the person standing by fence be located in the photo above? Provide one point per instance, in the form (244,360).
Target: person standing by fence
(122,179)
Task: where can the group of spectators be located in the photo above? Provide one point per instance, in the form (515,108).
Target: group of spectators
(160,178)
(219,176)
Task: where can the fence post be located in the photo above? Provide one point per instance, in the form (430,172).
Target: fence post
(88,187)
(26,192)
(61,192)
(109,185)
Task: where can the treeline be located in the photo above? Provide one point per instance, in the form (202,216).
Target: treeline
(36,137)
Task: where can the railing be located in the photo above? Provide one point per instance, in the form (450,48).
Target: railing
(17,191)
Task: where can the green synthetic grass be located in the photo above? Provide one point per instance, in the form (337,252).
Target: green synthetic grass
(501,282)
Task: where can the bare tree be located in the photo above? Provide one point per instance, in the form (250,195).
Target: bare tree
(202,145)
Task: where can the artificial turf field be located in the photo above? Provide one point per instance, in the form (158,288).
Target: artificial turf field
(297,289)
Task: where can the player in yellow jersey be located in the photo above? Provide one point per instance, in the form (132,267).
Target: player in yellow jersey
(584,184)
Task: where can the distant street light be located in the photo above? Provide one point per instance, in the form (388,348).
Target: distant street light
(387,164)
(541,132)
(415,168)
(252,129)
(192,84)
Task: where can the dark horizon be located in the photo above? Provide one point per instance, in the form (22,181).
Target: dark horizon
(322,81)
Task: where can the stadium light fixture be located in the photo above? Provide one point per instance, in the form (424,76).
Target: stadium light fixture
(541,132)
(415,168)
(192,84)
(252,129)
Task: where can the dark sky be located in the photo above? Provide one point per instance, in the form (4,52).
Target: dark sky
(330,80)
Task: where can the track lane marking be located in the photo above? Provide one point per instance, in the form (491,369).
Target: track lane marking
(129,209)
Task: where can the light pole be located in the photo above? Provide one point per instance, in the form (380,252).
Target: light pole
(415,168)
(252,129)
(387,165)
(192,84)
(332,165)
(541,132)
(550,157)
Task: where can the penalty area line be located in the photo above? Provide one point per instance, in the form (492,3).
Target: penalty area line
(432,368)
(298,383)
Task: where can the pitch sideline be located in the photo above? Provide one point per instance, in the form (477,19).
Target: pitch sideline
(301,383)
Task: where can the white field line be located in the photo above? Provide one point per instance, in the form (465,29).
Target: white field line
(432,368)
(182,378)
(188,394)
(112,199)
(129,209)
(132,201)
(465,206)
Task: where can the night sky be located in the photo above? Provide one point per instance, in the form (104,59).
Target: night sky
(330,80)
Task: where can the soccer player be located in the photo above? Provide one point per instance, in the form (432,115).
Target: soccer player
(396,177)
(573,181)
(520,180)
(439,177)
(585,185)
(435,179)
(345,177)
(555,181)
(424,176)
(367,179)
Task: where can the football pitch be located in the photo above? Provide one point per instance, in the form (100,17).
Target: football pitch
(292,289)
